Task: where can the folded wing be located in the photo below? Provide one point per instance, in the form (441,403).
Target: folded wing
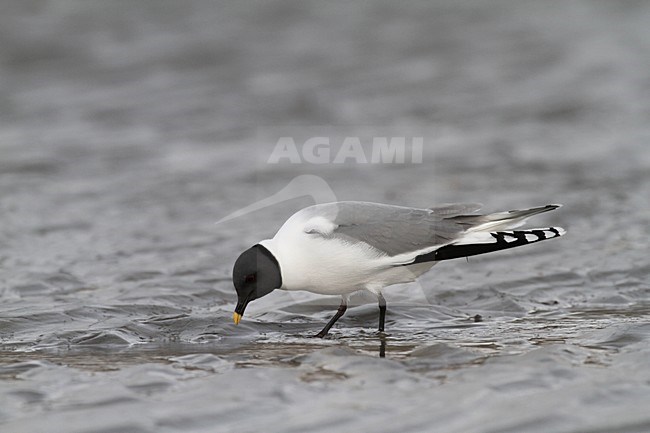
(411,235)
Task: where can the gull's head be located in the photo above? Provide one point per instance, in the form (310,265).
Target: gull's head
(256,274)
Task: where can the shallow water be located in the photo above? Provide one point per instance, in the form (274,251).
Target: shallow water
(126,132)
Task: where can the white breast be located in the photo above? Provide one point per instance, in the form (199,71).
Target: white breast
(309,261)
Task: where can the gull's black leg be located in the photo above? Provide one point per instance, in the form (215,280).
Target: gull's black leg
(382,311)
(337,316)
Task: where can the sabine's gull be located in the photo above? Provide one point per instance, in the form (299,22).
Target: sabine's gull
(341,247)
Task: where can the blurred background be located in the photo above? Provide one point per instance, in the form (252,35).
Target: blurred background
(128,128)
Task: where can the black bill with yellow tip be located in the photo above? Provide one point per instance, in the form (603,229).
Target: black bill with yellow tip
(239,311)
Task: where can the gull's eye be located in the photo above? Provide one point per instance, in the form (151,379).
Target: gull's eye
(250,278)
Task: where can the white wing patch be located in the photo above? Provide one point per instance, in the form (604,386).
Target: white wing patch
(531,237)
(319,225)
(477,238)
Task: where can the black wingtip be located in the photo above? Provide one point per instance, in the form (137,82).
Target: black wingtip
(502,240)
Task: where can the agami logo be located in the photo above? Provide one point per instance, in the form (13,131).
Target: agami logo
(324,150)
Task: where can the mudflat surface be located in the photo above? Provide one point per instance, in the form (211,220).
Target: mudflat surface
(128,128)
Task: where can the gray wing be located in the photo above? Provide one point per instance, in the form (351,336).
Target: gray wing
(393,230)
(455,209)
(396,230)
